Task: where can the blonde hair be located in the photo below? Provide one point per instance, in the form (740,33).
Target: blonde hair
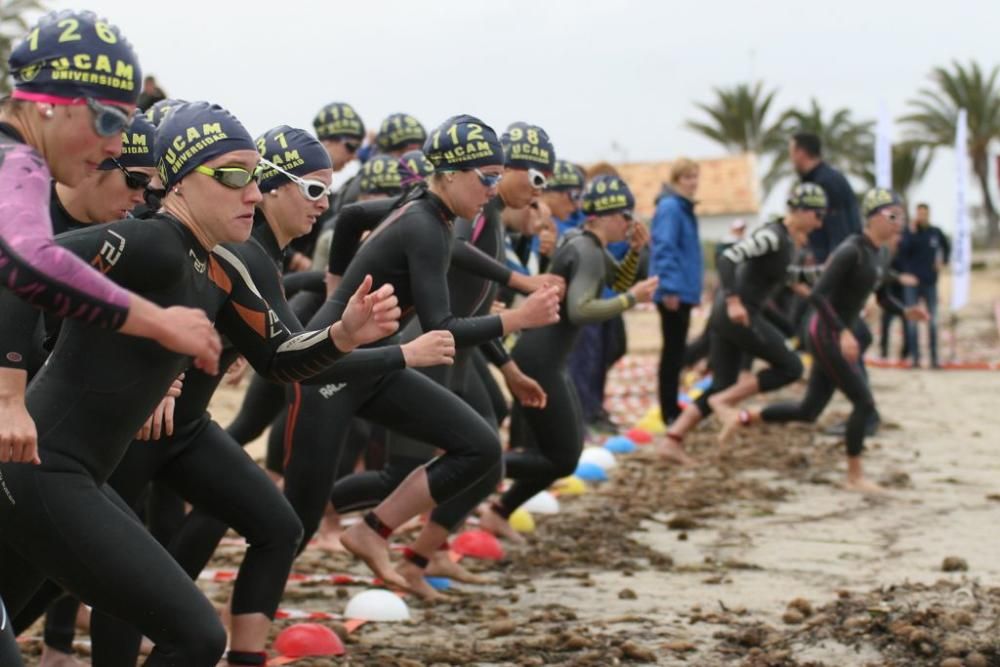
(601,169)
(682,166)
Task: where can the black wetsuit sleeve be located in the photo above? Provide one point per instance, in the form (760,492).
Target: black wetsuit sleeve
(304,281)
(471,259)
(350,225)
(19,331)
(803,273)
(129,252)
(495,352)
(428,252)
(586,281)
(628,270)
(888,302)
(762,242)
(257,331)
(359,363)
(839,266)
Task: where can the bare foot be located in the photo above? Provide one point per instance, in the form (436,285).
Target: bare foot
(442,565)
(415,582)
(366,544)
(863,485)
(55,658)
(730,419)
(492,522)
(671,451)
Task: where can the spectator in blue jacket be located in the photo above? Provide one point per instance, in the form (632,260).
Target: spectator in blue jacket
(923,251)
(843,218)
(675,257)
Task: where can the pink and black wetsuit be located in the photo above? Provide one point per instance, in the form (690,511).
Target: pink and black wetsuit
(31,264)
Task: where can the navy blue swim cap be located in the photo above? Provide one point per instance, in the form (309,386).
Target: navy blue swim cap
(296,151)
(607,194)
(339,120)
(566,176)
(414,167)
(137,145)
(528,147)
(72,55)
(156,113)
(381,175)
(463,142)
(399,130)
(193,134)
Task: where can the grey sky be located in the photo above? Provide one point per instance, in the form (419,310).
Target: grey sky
(593,74)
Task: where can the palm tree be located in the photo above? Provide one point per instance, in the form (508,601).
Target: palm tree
(910,162)
(847,144)
(934,116)
(738,119)
(13,26)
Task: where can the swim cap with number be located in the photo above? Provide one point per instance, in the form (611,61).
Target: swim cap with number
(137,145)
(607,194)
(414,167)
(381,175)
(807,195)
(463,142)
(399,130)
(566,176)
(69,55)
(156,113)
(294,150)
(878,198)
(339,120)
(193,134)
(528,147)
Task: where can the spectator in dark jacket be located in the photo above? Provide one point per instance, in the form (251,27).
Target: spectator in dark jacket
(843,218)
(676,258)
(151,93)
(923,251)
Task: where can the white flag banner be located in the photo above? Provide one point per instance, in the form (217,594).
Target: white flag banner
(961,253)
(883,148)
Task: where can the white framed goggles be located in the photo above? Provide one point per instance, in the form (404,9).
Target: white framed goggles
(311,189)
(537,179)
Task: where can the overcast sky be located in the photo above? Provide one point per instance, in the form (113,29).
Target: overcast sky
(593,74)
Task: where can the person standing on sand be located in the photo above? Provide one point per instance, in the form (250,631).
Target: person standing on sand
(676,258)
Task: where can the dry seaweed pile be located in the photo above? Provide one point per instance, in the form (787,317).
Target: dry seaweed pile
(946,624)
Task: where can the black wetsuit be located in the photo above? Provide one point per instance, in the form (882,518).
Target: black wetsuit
(470,294)
(42,273)
(90,399)
(754,269)
(411,249)
(244,498)
(854,270)
(557,429)
(264,402)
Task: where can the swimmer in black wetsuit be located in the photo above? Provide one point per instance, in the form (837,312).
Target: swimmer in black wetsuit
(62,128)
(854,270)
(341,131)
(558,427)
(528,157)
(118,186)
(188,460)
(410,249)
(750,272)
(99,387)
